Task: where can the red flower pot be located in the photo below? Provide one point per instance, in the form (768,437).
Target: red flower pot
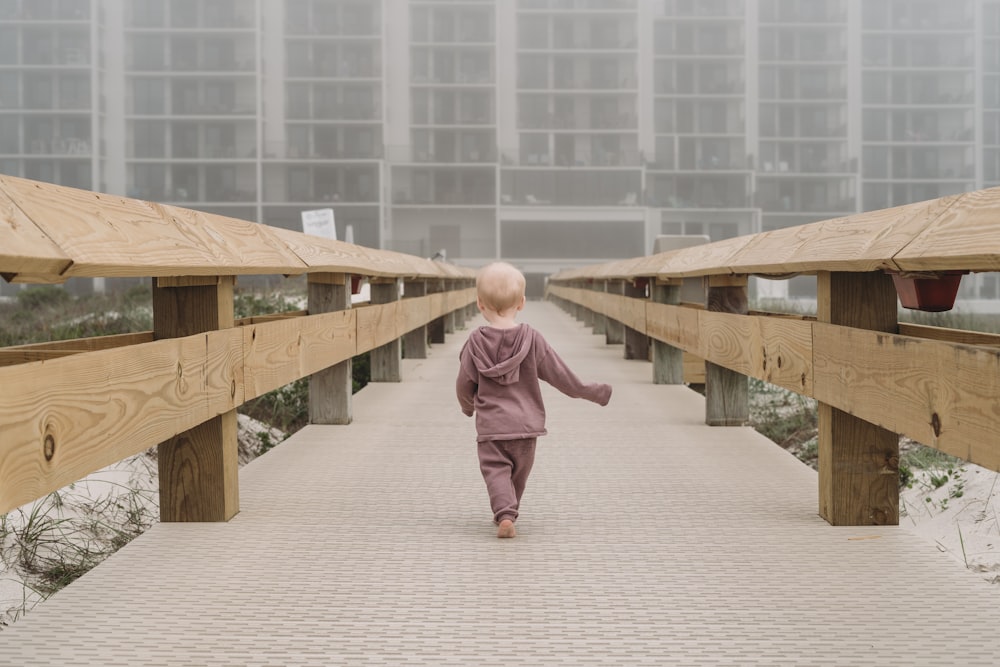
(930,293)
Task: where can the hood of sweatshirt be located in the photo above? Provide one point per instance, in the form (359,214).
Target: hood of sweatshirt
(498,353)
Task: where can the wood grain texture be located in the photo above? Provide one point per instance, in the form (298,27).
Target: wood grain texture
(377,325)
(199,468)
(111,236)
(24,247)
(198,472)
(51,232)
(417,315)
(950,335)
(19,354)
(386,357)
(331,388)
(726,389)
(862,242)
(668,360)
(862,486)
(277,353)
(943,395)
(858,459)
(97,408)
(965,236)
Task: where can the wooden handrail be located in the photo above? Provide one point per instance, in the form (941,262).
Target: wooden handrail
(72,407)
(958,232)
(872,376)
(49,233)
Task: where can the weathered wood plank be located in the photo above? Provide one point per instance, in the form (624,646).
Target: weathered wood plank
(858,243)
(110,236)
(950,335)
(417,313)
(199,468)
(727,400)
(858,460)
(331,387)
(24,247)
(100,407)
(943,395)
(668,360)
(19,354)
(272,317)
(387,356)
(378,324)
(694,369)
(963,237)
(280,352)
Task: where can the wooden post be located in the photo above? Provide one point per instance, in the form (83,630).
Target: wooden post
(600,319)
(668,361)
(586,315)
(330,389)
(385,359)
(199,468)
(727,401)
(449,317)
(636,343)
(472,309)
(435,329)
(415,342)
(614,334)
(858,461)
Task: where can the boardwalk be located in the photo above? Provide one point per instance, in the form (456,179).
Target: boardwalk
(646,538)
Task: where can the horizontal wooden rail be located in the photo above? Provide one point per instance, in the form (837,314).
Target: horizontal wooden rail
(66,417)
(872,376)
(68,408)
(942,394)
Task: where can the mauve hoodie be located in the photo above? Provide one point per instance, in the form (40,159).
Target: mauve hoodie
(498,380)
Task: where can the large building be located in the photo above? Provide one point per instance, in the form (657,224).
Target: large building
(546,132)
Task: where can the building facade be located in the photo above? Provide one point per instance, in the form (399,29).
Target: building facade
(546,132)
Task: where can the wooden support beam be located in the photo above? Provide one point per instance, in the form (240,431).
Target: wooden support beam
(415,341)
(858,461)
(615,332)
(198,469)
(331,389)
(435,330)
(600,326)
(385,359)
(727,400)
(449,317)
(668,361)
(636,342)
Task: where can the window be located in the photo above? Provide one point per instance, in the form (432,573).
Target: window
(74,91)
(149,97)
(148,139)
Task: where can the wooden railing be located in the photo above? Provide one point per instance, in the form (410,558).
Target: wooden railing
(68,408)
(872,376)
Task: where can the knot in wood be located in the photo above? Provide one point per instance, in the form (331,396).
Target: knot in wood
(49,447)
(936,424)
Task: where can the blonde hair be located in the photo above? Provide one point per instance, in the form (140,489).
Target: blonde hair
(500,286)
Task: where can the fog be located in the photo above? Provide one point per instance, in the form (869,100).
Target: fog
(546,132)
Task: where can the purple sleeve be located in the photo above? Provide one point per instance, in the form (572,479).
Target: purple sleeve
(554,370)
(465,388)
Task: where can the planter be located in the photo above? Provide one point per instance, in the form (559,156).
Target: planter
(932,293)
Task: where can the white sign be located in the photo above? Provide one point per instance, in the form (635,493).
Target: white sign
(319,222)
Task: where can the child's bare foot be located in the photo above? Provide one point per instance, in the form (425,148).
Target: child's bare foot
(506,529)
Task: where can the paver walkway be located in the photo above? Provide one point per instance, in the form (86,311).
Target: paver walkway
(646,538)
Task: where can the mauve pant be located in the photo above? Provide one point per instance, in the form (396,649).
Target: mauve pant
(505,465)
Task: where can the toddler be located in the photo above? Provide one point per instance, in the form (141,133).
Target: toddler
(500,366)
